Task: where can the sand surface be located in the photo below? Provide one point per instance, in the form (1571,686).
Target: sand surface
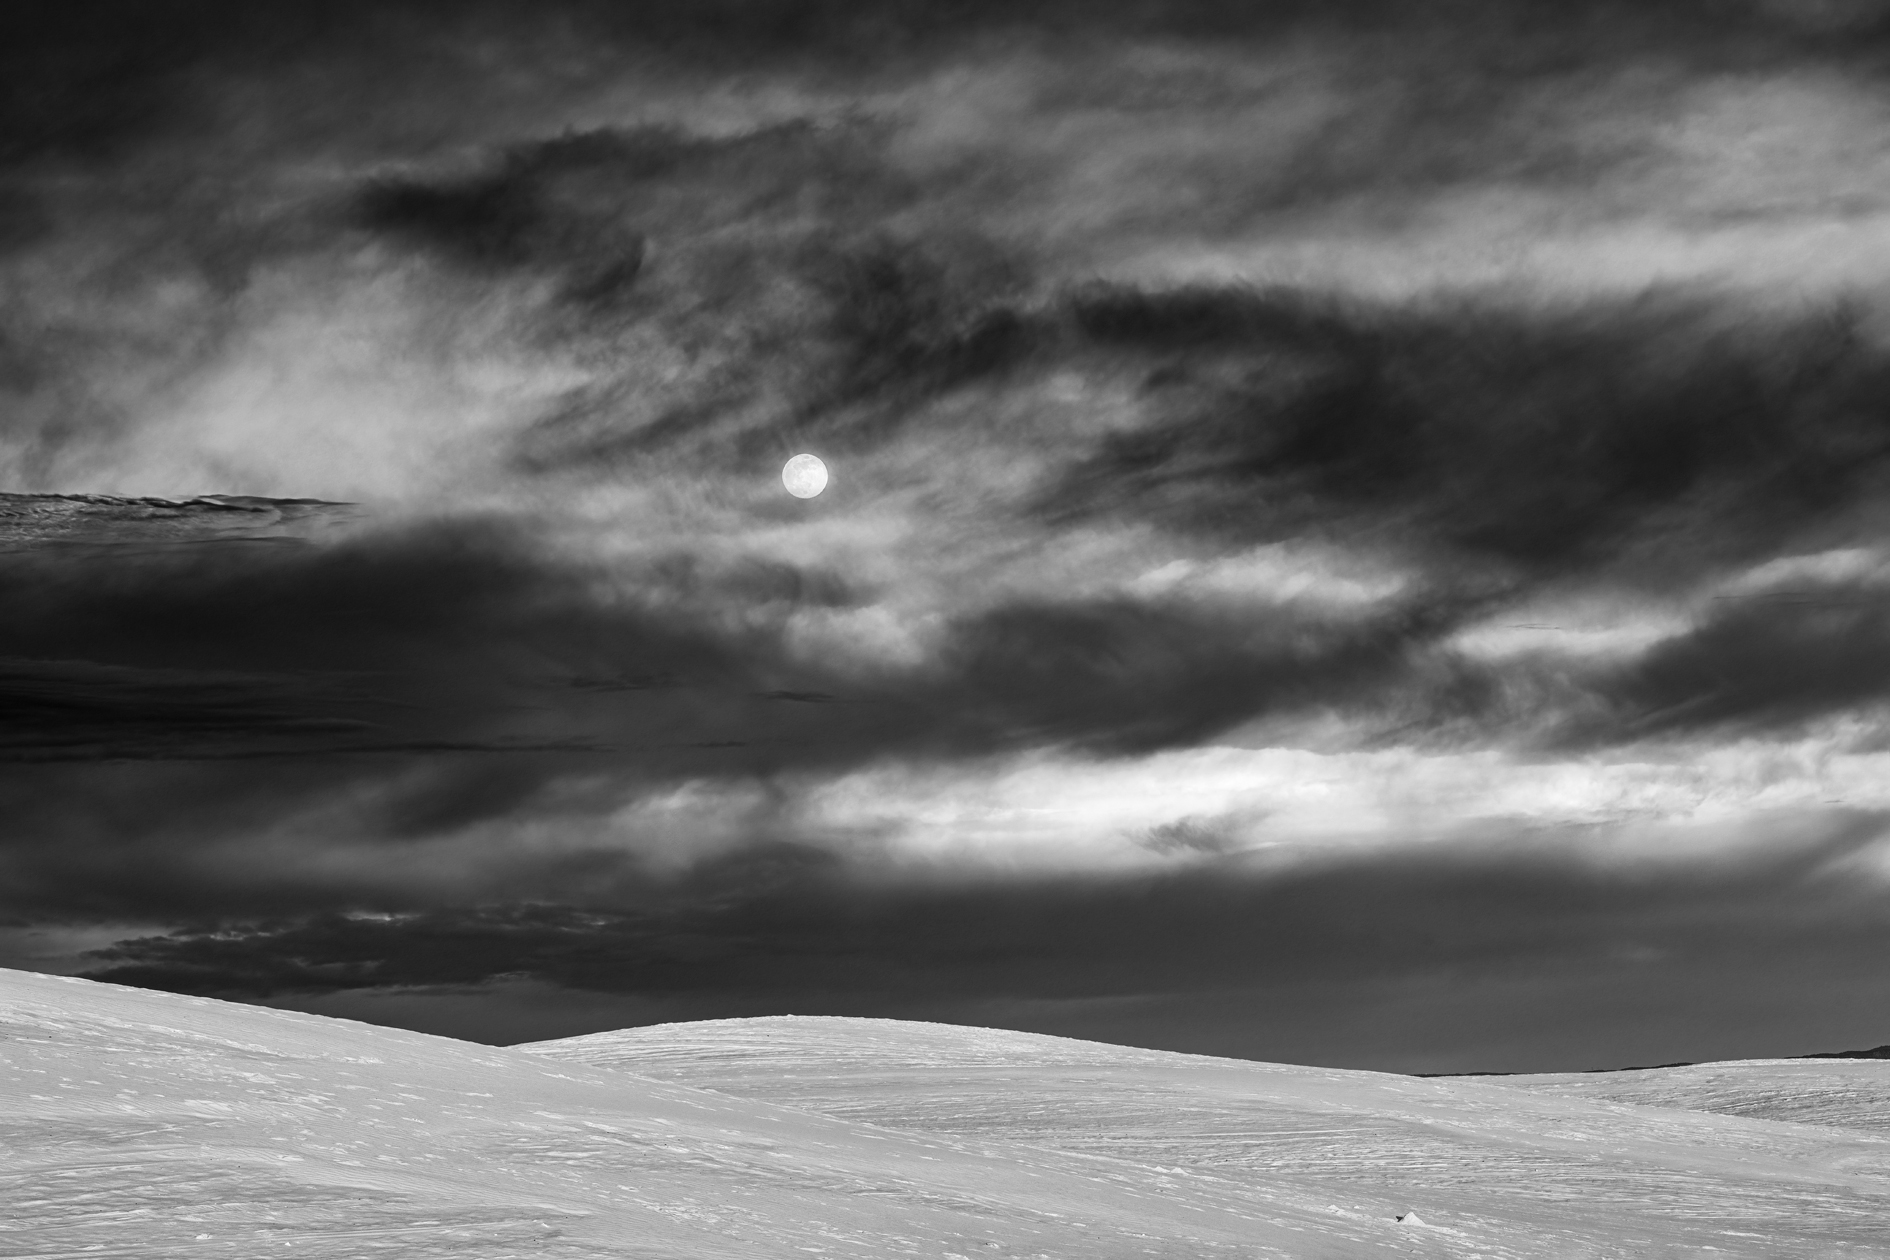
(135,1123)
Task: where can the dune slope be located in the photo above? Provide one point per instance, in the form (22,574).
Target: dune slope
(1845,1093)
(143,1124)
(1522,1172)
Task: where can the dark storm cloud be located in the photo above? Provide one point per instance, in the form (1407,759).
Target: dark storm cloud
(56,710)
(435,678)
(486,224)
(425,679)
(205,647)
(1649,443)
(448,630)
(86,81)
(89,79)
(1655,431)
(1131,677)
(787,926)
(122,610)
(445,677)
(1763,662)
(585,200)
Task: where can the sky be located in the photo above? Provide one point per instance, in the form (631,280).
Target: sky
(1356,532)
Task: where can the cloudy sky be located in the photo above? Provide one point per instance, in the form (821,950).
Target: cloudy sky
(1357,532)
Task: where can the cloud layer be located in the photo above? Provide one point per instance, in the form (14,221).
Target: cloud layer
(1322,497)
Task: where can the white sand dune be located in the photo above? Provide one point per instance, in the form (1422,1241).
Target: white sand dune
(1518,1169)
(143,1124)
(1845,1093)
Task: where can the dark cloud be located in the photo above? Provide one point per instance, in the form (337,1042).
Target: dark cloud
(489,225)
(787,929)
(583,204)
(258,680)
(1760,662)
(58,710)
(88,80)
(445,676)
(440,676)
(456,634)
(92,79)
(1192,836)
(394,605)
(914,319)
(440,634)
(1498,443)
(1128,676)
(1654,431)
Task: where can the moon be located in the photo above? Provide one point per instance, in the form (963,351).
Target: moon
(804,476)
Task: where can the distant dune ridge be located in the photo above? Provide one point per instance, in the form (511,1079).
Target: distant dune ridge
(41,519)
(1469,1150)
(142,1124)
(1876,1052)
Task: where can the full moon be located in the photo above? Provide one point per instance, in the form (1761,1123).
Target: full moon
(804,476)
